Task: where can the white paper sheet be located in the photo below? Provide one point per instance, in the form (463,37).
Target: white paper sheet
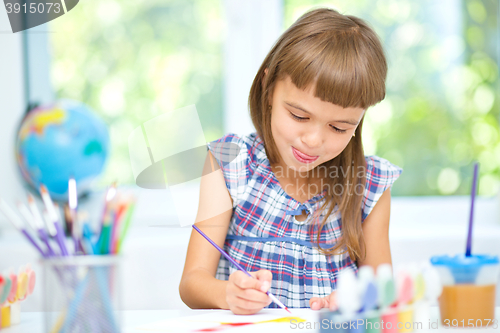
(297,321)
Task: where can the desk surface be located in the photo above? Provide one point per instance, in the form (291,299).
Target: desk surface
(32,322)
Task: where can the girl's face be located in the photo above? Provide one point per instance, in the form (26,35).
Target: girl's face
(308,131)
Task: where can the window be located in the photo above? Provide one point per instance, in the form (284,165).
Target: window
(131,61)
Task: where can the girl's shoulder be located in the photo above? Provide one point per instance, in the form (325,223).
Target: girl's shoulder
(380,176)
(238,157)
(246,141)
(232,148)
(380,168)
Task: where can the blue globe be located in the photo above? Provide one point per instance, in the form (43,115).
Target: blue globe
(59,141)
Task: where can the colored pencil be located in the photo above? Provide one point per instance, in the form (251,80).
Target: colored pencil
(103,241)
(87,239)
(126,225)
(117,225)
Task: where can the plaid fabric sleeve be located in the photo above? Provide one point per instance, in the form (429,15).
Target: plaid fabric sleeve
(233,156)
(380,175)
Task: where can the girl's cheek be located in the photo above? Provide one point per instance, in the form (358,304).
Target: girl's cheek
(337,148)
(345,143)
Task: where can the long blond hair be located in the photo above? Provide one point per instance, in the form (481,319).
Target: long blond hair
(343,57)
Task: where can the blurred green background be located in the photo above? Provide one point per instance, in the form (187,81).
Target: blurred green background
(132,60)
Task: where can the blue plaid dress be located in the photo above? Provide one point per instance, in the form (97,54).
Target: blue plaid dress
(264,234)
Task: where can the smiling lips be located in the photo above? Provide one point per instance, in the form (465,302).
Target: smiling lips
(303,158)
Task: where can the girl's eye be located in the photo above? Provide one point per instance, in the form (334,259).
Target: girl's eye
(338,130)
(297,117)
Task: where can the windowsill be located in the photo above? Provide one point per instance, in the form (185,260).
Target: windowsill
(431,216)
(412,218)
(446,216)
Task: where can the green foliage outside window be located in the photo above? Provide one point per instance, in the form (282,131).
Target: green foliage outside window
(133,60)
(441,110)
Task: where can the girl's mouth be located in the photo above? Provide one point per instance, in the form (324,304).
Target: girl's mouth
(303,158)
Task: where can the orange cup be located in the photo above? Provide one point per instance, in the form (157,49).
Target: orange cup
(469,283)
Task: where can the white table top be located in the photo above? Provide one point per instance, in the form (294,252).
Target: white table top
(32,322)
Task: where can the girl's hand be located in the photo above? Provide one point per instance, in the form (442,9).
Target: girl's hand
(318,303)
(246,295)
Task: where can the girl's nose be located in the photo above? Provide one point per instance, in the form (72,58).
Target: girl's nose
(312,139)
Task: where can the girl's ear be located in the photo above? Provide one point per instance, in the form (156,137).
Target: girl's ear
(265,71)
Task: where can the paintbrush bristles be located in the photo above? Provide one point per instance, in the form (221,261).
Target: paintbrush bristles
(11,215)
(26,214)
(35,212)
(48,203)
(49,224)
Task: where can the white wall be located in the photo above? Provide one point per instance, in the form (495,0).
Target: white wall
(252,28)
(11,108)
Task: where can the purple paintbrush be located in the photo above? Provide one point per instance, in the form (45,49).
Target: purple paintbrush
(38,222)
(275,300)
(471,217)
(18,224)
(44,193)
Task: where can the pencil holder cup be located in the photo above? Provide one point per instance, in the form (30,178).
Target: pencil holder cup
(81,294)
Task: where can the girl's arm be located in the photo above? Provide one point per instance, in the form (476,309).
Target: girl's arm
(198,287)
(376,233)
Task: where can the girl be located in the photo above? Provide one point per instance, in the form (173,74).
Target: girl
(299,201)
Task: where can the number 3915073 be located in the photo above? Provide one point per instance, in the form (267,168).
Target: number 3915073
(493,323)
(33,8)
